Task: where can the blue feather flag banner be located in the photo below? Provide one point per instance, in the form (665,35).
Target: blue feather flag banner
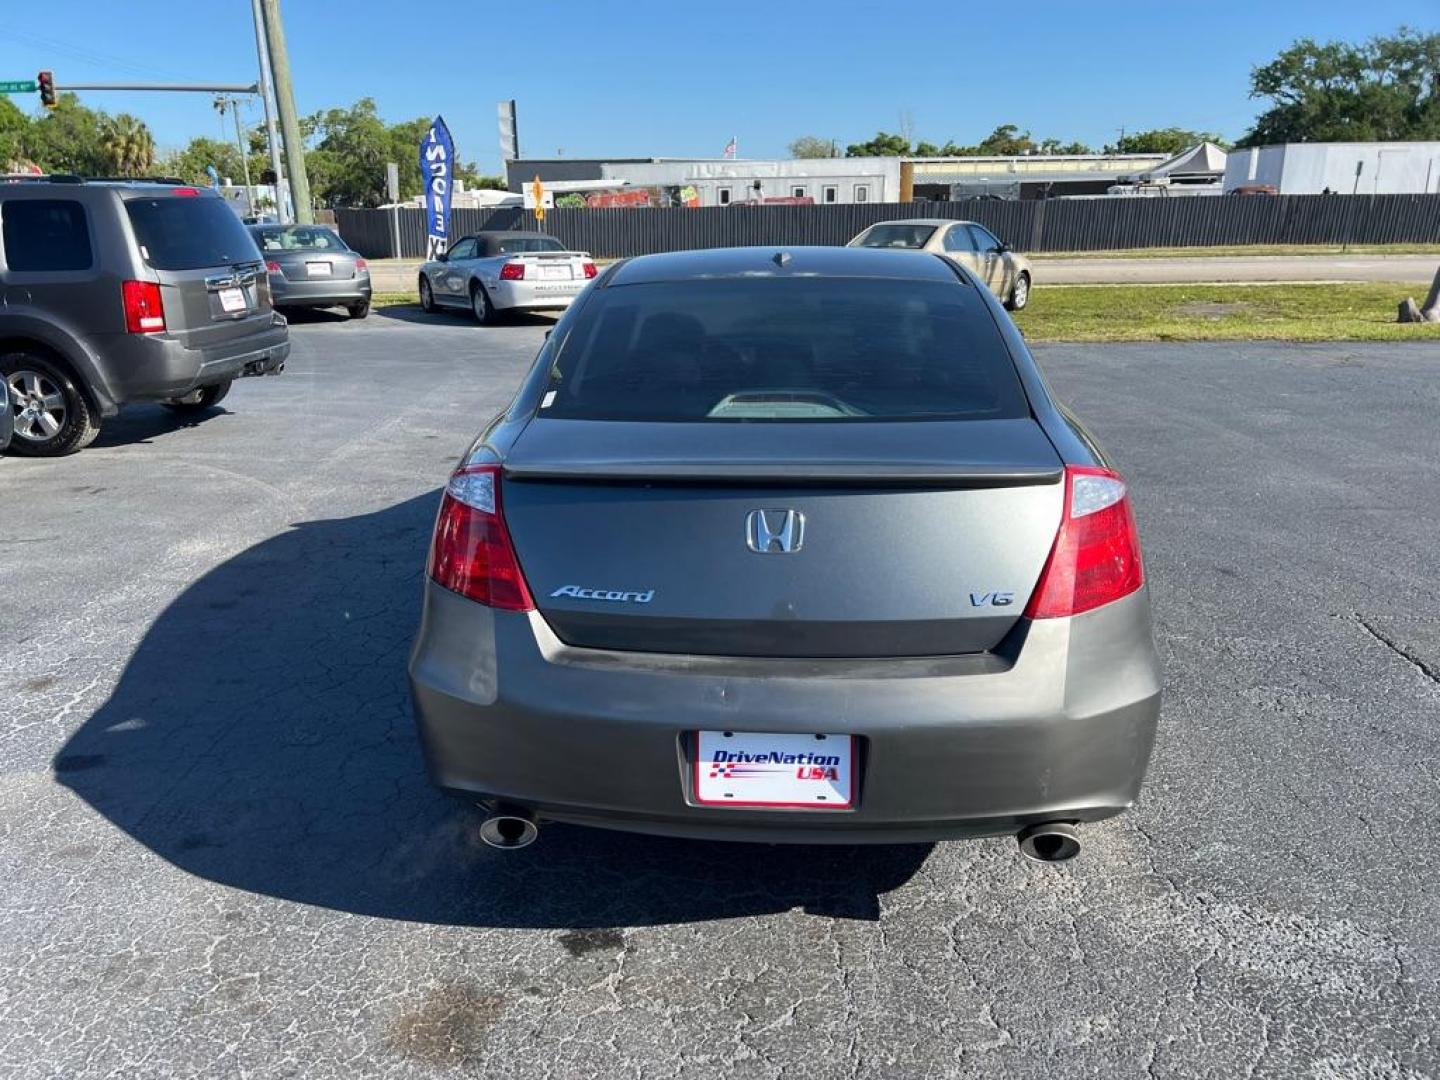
(437,167)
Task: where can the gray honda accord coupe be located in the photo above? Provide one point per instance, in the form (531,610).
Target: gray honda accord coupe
(787,546)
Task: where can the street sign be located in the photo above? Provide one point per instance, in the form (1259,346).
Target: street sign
(537,198)
(19,86)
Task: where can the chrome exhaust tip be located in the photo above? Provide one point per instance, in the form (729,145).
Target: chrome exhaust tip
(1050,842)
(509,828)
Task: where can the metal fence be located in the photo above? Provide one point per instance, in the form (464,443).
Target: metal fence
(1032,225)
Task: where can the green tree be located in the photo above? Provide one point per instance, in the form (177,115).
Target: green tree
(128,146)
(1387,88)
(190,163)
(13,126)
(357,144)
(1007,140)
(883,145)
(68,139)
(812,146)
(1171,140)
(1055,146)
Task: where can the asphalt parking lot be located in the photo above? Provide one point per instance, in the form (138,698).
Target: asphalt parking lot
(221,857)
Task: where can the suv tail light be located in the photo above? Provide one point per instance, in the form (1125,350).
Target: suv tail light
(144,311)
(472,553)
(513,271)
(273,267)
(589,269)
(1096,557)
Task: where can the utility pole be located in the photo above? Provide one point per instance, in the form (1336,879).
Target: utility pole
(234,104)
(271,138)
(285,103)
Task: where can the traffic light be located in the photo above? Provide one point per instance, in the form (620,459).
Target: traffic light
(46,79)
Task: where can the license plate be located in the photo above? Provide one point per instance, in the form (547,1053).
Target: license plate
(318,269)
(737,768)
(555,272)
(232,300)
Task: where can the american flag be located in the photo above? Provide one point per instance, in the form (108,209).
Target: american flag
(731,146)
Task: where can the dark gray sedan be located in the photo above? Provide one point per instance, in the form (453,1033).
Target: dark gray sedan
(310,266)
(788,545)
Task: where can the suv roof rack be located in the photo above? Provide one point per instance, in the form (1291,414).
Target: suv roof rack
(42,178)
(71,178)
(140,180)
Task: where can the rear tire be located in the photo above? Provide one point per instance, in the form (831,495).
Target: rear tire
(427,296)
(199,400)
(481,307)
(1019,294)
(359,311)
(53,417)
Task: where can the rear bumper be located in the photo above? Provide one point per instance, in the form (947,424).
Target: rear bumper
(327,293)
(149,367)
(507,295)
(1061,729)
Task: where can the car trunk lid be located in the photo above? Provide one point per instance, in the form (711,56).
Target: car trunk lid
(904,539)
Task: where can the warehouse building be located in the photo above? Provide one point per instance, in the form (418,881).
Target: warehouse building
(709,181)
(1364,168)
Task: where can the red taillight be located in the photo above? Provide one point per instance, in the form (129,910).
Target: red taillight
(471,553)
(513,271)
(144,312)
(1096,557)
(589,269)
(273,268)
(361,264)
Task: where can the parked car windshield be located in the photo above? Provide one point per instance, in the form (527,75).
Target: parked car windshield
(894,236)
(297,238)
(180,233)
(517,245)
(827,349)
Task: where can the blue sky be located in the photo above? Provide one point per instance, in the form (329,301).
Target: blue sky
(680,79)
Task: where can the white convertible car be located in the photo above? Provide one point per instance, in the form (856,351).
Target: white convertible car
(494,272)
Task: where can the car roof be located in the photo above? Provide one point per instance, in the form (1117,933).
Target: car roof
(512,234)
(923,221)
(778,260)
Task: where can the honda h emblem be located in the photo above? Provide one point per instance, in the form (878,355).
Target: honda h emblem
(768,531)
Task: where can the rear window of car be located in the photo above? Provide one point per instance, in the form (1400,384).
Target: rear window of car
(894,236)
(180,233)
(45,235)
(520,245)
(297,238)
(804,349)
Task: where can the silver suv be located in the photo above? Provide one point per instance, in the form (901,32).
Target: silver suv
(120,291)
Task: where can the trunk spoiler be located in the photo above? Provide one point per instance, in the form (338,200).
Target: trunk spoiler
(790,473)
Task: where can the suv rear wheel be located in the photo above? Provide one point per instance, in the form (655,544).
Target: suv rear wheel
(198,400)
(52,415)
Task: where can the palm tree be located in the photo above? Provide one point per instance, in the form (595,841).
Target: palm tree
(128,146)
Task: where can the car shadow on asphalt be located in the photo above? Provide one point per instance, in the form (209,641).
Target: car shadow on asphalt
(144,423)
(414,313)
(261,737)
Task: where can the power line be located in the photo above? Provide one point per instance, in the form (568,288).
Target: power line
(93,56)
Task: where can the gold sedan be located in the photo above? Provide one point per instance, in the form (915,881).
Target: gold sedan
(973,246)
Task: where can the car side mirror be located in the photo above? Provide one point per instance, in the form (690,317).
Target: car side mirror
(442,256)
(999,249)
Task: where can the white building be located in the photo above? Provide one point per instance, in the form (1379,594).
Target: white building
(1369,168)
(719,181)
